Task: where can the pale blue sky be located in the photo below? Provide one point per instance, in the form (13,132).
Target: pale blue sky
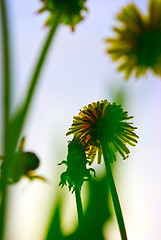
(77,72)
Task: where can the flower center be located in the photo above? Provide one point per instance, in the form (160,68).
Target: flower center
(148,47)
(106,129)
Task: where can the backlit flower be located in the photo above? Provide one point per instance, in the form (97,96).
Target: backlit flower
(71,11)
(103,121)
(138,40)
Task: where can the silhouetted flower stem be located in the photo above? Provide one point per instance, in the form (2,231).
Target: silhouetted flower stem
(6,110)
(113,190)
(19,118)
(79,205)
(34,79)
(76,172)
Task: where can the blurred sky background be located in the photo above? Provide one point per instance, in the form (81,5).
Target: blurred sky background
(77,72)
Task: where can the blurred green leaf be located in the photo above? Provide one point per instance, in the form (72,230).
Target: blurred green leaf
(54,232)
(96,214)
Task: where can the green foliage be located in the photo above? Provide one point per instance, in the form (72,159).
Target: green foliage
(54,231)
(95,216)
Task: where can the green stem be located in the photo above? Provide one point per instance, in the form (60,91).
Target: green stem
(79,205)
(19,118)
(13,129)
(113,190)
(6,112)
(39,65)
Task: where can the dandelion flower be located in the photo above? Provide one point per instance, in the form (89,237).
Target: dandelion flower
(104,121)
(71,11)
(104,127)
(138,40)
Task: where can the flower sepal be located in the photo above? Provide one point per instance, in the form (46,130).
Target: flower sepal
(77,171)
(71,12)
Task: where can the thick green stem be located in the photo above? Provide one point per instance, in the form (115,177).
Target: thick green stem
(13,129)
(113,190)
(79,205)
(19,119)
(6,112)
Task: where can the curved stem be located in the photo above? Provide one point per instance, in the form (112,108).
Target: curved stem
(34,79)
(114,193)
(79,205)
(6,112)
(18,120)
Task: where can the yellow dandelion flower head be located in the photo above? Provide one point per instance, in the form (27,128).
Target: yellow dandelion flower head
(138,40)
(103,121)
(71,11)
